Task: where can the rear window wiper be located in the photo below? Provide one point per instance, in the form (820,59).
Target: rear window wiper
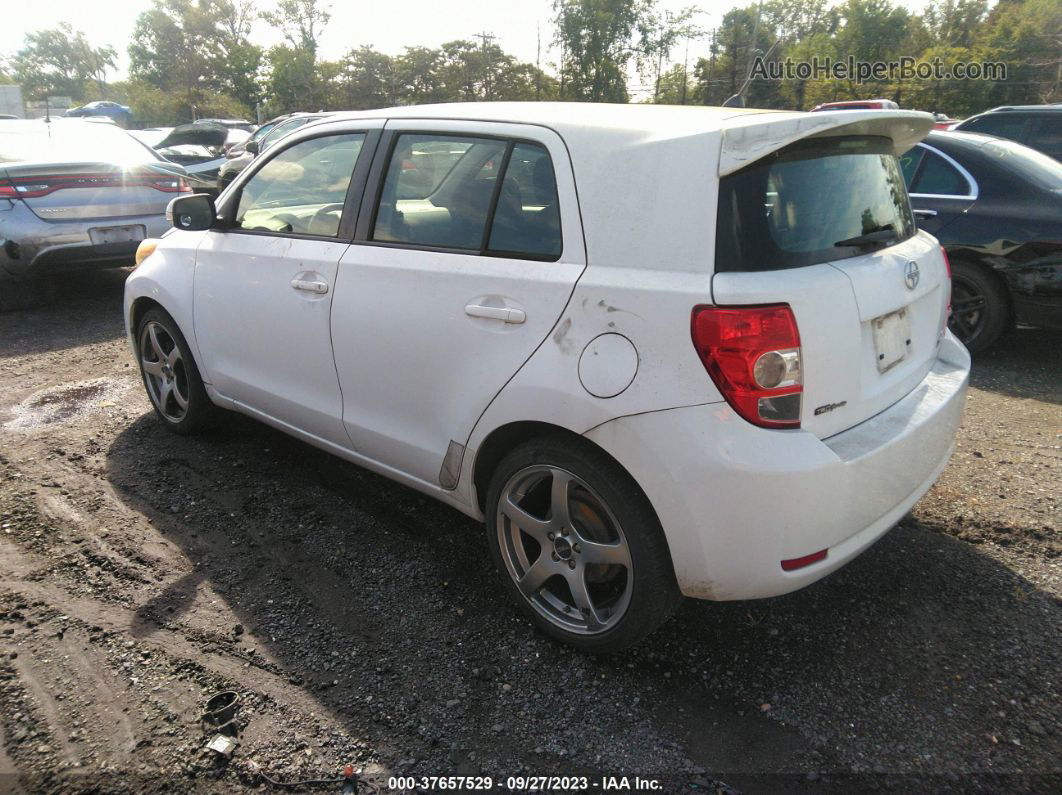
(880,234)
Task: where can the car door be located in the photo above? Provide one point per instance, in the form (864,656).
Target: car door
(265,280)
(460,271)
(940,188)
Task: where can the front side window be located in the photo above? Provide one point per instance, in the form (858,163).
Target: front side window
(448,191)
(819,200)
(302,190)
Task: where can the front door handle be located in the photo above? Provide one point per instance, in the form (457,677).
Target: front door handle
(503,313)
(926,213)
(310,286)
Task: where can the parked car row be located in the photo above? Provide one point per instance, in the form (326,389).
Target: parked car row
(994,205)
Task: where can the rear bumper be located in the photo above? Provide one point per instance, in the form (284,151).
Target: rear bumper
(736,500)
(30,246)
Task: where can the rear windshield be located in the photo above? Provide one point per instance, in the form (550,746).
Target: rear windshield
(819,200)
(70,141)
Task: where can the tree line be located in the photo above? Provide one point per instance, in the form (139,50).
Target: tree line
(196,58)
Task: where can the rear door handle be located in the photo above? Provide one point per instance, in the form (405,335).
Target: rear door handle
(925,213)
(310,286)
(503,313)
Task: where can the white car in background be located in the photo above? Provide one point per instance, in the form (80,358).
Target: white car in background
(659,351)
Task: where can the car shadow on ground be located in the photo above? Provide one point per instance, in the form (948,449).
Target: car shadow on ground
(1024,363)
(71,318)
(382,605)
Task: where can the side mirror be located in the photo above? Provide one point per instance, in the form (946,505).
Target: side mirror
(251,146)
(192,213)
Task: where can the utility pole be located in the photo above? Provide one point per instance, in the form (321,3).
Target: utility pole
(685,66)
(538,61)
(486,39)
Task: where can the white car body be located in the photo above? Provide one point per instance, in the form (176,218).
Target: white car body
(391,370)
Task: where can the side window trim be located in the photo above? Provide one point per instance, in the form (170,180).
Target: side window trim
(377,175)
(351,202)
(972,188)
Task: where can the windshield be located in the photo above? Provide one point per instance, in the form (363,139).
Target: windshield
(1038,168)
(66,141)
(821,199)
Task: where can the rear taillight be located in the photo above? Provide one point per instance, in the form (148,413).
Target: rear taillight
(752,354)
(170,184)
(7,190)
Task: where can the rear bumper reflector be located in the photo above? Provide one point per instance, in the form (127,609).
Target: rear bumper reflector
(798,563)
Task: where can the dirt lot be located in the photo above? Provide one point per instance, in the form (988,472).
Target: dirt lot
(360,622)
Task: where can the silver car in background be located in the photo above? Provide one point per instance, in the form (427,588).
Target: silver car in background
(75,194)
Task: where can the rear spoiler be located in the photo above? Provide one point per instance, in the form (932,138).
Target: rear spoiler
(749,137)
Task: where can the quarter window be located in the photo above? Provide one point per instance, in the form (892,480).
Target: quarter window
(527,220)
(303,189)
(446,191)
(939,178)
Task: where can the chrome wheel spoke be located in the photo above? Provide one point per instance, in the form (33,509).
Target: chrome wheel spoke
(152,368)
(581,594)
(535,577)
(593,552)
(164,395)
(173,356)
(559,493)
(182,401)
(537,528)
(153,338)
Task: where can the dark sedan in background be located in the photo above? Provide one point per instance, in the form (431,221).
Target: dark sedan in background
(996,207)
(75,193)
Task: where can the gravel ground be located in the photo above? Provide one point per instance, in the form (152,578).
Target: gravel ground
(361,622)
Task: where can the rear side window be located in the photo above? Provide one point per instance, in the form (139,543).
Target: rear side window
(485,195)
(819,200)
(1046,134)
(1005,125)
(938,177)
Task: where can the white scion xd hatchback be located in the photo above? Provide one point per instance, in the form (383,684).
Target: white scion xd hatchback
(659,351)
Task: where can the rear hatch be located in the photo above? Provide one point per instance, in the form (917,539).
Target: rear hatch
(823,223)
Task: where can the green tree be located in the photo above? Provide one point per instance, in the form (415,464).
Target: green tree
(197,50)
(598,38)
(61,61)
(300,21)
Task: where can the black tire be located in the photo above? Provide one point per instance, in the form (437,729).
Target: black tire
(653,593)
(199,413)
(980,311)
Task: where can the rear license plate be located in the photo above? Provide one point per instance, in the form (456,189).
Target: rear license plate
(107,235)
(892,339)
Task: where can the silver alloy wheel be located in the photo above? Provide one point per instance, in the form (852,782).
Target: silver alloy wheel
(164,371)
(565,550)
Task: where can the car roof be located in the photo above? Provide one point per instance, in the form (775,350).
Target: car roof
(1056,108)
(743,134)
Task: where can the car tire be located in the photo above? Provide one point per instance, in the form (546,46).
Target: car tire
(562,517)
(171,376)
(980,311)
